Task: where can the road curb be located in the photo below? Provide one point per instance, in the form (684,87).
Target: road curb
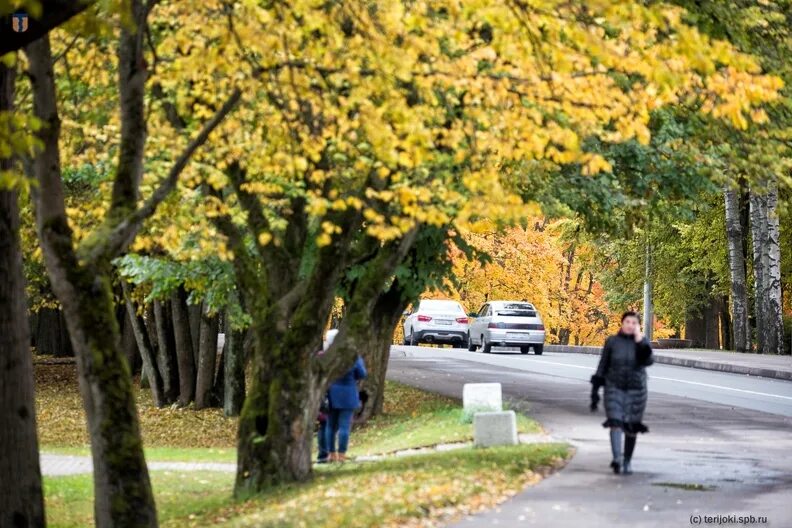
(686,362)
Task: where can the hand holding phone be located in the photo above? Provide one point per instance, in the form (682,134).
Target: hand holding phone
(638,334)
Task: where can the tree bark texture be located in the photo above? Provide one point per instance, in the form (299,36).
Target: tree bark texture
(234,371)
(122,488)
(166,353)
(207,358)
(758,228)
(377,344)
(21,498)
(774,323)
(194,316)
(184,349)
(767,269)
(52,336)
(150,374)
(741,330)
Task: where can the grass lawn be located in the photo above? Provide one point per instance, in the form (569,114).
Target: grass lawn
(414,418)
(403,491)
(418,490)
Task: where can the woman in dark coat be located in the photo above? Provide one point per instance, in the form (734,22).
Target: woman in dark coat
(622,371)
(344,399)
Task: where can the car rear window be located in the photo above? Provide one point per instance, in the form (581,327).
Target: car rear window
(440,306)
(516,310)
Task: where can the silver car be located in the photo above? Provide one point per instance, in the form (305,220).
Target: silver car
(507,324)
(436,321)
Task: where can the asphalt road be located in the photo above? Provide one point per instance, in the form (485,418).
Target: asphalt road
(719,444)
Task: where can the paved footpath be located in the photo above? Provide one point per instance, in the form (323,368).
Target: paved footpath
(713,447)
(53,465)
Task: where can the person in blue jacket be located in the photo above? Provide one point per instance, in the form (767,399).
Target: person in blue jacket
(344,399)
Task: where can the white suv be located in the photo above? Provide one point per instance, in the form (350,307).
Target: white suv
(436,321)
(508,324)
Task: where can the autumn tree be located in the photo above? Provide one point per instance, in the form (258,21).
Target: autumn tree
(80,271)
(364,124)
(360,127)
(21,500)
(21,496)
(757,160)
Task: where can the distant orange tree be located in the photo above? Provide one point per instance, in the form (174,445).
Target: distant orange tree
(541,264)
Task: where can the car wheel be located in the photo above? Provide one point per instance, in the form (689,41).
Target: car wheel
(470,345)
(413,340)
(485,347)
(524,349)
(538,349)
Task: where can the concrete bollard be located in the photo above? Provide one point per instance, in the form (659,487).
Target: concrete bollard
(482,397)
(495,429)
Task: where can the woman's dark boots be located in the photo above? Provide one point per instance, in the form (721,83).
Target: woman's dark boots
(616,449)
(629,447)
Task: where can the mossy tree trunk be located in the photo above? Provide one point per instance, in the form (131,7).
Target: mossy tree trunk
(276,422)
(233,371)
(122,490)
(80,274)
(288,289)
(21,498)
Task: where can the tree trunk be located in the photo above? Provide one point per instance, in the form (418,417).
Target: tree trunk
(377,345)
(194,315)
(702,327)
(207,357)
(758,235)
(150,374)
(52,336)
(725,323)
(277,419)
(166,354)
(128,342)
(184,350)
(32,327)
(234,371)
(648,300)
(741,337)
(774,315)
(21,498)
(122,488)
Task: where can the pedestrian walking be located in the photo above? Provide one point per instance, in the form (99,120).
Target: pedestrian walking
(344,400)
(622,372)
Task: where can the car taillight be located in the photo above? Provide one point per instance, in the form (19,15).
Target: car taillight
(463,320)
(424,318)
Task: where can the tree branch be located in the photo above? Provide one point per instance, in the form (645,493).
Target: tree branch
(53,14)
(132,73)
(125,230)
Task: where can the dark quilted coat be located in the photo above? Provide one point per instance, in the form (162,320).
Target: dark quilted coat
(622,370)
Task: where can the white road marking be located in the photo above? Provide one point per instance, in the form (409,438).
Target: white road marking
(722,387)
(651,377)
